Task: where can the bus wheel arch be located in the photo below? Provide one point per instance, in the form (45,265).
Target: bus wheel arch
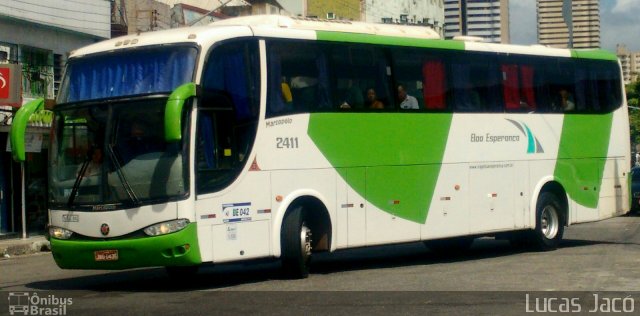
(305,229)
(560,193)
(318,219)
(551,216)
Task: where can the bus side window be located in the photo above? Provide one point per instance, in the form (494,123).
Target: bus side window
(562,87)
(434,90)
(609,84)
(597,88)
(476,83)
(466,96)
(298,78)
(357,69)
(410,74)
(518,87)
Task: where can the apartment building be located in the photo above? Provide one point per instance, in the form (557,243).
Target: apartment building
(569,23)
(488,19)
(630,63)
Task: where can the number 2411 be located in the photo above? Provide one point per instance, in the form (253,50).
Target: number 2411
(287,142)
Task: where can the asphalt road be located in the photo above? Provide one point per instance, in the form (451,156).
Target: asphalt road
(491,278)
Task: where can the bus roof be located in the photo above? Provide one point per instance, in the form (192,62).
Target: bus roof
(313,24)
(330,30)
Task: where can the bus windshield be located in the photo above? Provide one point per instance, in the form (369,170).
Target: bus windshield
(127,72)
(111,155)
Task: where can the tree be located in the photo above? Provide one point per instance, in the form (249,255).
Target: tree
(633,91)
(633,98)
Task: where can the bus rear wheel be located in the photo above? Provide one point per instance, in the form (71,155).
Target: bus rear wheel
(549,222)
(296,244)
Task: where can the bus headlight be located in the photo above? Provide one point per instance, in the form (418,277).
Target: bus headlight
(166,227)
(59,232)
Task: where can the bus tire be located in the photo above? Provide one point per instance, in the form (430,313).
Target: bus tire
(520,239)
(296,244)
(549,222)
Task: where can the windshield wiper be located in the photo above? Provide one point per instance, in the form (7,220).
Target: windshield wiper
(122,177)
(79,177)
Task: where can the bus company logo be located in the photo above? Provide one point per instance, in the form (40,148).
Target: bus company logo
(25,303)
(104,229)
(533,144)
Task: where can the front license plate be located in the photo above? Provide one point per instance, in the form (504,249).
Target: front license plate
(106,255)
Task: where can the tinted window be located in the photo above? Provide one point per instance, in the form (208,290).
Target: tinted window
(598,86)
(311,76)
(298,78)
(424,75)
(476,83)
(227,114)
(357,70)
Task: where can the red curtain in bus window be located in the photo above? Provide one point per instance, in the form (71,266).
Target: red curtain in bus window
(434,85)
(510,84)
(526,73)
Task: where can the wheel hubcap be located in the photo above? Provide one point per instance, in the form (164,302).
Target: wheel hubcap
(549,222)
(305,241)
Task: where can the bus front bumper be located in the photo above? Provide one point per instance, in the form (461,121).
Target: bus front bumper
(175,249)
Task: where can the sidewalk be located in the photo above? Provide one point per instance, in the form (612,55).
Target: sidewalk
(18,246)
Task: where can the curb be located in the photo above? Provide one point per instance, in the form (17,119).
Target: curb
(19,248)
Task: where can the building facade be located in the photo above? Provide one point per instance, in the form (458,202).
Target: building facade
(426,12)
(411,12)
(630,62)
(35,39)
(487,19)
(253,7)
(569,23)
(334,10)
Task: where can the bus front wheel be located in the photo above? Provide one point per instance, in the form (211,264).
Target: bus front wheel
(549,222)
(296,244)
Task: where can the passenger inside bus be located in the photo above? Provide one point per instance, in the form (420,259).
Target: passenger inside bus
(566,101)
(140,141)
(95,164)
(372,100)
(353,98)
(407,101)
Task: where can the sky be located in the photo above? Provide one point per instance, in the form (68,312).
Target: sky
(619,23)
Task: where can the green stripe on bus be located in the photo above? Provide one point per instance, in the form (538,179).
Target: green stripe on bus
(594,54)
(401,153)
(584,145)
(388,40)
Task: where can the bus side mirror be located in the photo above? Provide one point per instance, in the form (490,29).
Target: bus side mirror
(19,128)
(173,111)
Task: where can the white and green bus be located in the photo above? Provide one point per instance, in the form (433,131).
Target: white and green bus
(279,137)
